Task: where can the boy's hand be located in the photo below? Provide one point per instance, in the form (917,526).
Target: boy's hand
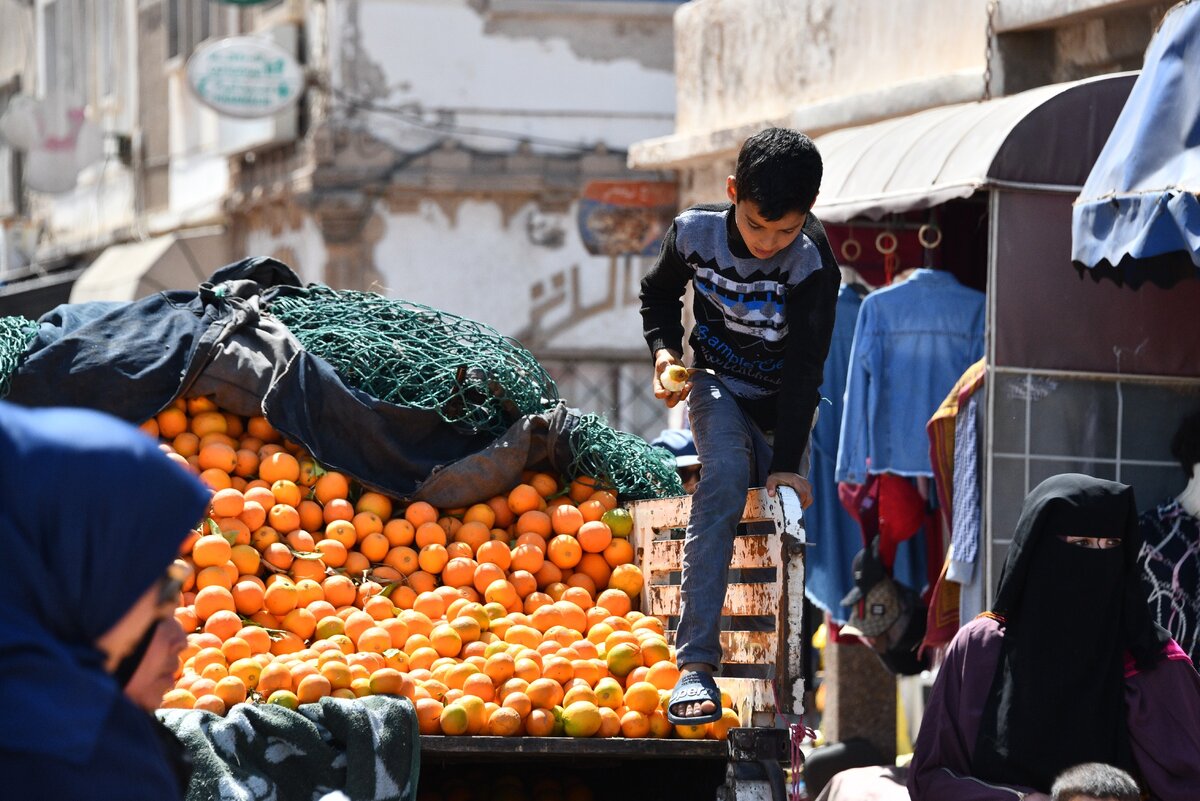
(662,360)
(794,480)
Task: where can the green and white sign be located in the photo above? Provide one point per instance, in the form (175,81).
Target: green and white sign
(244,76)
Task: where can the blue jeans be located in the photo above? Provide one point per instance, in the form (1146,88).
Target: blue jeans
(734,456)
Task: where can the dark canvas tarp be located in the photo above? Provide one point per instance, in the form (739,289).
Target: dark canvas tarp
(132,359)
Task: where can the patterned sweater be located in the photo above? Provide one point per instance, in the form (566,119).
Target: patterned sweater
(762,326)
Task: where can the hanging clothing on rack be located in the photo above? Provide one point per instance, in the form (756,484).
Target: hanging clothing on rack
(911,343)
(837,537)
(1170,562)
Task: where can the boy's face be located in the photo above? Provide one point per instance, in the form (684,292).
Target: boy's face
(763,237)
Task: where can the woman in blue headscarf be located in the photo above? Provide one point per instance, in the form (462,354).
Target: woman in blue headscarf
(91,517)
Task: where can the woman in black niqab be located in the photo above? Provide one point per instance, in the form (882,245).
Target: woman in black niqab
(1071,618)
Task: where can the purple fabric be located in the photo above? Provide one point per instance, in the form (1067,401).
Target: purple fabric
(1163,706)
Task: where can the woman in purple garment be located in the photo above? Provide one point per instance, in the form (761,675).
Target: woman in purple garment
(1068,667)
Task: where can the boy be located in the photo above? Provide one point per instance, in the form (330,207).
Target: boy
(765,283)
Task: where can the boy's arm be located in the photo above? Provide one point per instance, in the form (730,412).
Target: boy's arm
(662,312)
(810,309)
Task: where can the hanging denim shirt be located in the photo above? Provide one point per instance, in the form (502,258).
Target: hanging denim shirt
(837,537)
(912,341)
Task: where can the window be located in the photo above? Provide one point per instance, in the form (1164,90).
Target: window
(190,22)
(1045,424)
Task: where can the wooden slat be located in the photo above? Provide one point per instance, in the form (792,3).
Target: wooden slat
(664,556)
(753,699)
(740,599)
(748,647)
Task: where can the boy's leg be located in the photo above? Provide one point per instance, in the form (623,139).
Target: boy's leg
(726,447)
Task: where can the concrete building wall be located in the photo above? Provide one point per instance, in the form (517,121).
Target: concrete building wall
(576,72)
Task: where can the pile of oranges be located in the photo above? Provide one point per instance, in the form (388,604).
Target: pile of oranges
(511,616)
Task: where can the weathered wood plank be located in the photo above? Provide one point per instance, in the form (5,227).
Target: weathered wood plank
(663,556)
(740,599)
(753,699)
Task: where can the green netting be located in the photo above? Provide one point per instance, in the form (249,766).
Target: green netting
(468,373)
(15,336)
(418,357)
(626,462)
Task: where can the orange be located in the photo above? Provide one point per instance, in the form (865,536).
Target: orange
(374,640)
(374,546)
(605,498)
(663,675)
(485,574)
(256,637)
(421,581)
(247,463)
(592,510)
(474,534)
(217,575)
(356,564)
(547,574)
(210,550)
(300,622)
(329,486)
(540,723)
(564,551)
(283,517)
(399,532)
(217,456)
(523,582)
(545,484)
(379,608)
(501,592)
(213,599)
(429,534)
(618,552)
(594,567)
(376,503)
(367,522)
(594,536)
(494,552)
(566,519)
(280,598)
(338,509)
(635,724)
(419,512)
(627,578)
(343,531)
(186,444)
(231,690)
(259,428)
(403,559)
(286,492)
(171,422)
(301,541)
(528,557)
(227,503)
(333,553)
(313,688)
(433,558)
(480,513)
(523,498)
(312,516)
(277,466)
(580,579)
(503,514)
(544,693)
(445,640)
(208,422)
(223,623)
(534,521)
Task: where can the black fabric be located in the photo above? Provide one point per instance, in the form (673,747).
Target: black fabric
(133,359)
(1070,614)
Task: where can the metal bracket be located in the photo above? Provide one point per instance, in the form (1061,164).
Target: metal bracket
(756,744)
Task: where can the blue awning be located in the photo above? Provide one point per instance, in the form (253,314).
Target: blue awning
(1138,216)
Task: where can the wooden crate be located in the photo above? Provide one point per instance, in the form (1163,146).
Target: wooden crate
(782,597)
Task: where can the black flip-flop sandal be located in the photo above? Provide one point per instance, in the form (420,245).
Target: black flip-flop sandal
(694,688)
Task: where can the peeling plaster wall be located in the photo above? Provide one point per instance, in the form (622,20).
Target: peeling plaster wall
(476,265)
(740,61)
(302,248)
(437,60)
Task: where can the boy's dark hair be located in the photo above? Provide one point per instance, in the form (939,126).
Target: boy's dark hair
(1185,445)
(780,170)
(1097,780)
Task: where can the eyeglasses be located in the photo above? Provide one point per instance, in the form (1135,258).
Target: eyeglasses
(171,584)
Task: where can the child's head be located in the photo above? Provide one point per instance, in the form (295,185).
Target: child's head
(1094,781)
(774,186)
